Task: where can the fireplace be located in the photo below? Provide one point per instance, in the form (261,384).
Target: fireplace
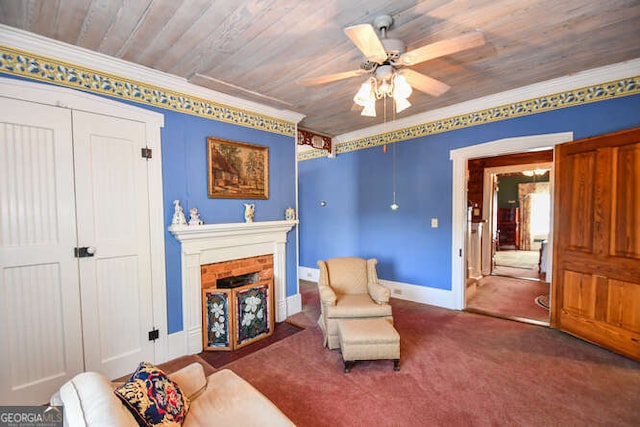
(214,243)
(237,302)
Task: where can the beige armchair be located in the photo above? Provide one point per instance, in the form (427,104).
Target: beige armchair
(349,289)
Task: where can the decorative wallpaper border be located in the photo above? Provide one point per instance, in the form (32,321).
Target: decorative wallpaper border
(54,71)
(600,92)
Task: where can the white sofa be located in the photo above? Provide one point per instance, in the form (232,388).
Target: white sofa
(221,399)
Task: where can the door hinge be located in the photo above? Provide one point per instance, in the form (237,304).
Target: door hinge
(154,334)
(146,153)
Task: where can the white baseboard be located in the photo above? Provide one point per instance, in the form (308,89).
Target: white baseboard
(294,304)
(310,274)
(422,294)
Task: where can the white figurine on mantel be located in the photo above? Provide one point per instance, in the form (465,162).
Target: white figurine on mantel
(178,214)
(195,217)
(290,214)
(249,212)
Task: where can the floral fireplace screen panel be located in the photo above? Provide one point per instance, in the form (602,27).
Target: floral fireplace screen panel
(217,319)
(252,314)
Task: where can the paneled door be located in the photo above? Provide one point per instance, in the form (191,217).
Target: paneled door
(40,327)
(113,219)
(596,271)
(71,180)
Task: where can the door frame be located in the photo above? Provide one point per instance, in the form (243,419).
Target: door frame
(76,100)
(460,157)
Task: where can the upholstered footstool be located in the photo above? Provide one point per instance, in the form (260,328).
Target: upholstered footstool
(368,339)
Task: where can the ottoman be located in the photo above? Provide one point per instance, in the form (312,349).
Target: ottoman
(368,339)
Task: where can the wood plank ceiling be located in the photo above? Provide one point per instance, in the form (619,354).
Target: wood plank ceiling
(258,49)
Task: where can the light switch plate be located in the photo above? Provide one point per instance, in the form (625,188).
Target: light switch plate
(434,222)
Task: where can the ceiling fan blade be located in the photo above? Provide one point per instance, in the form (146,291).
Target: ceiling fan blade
(366,39)
(442,48)
(425,84)
(312,81)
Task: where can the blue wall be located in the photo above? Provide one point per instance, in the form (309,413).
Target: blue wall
(184,170)
(357,187)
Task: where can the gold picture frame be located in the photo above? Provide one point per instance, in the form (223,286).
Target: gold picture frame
(237,170)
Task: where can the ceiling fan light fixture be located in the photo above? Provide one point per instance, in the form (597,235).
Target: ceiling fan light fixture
(385,88)
(369,110)
(384,61)
(365,94)
(392,85)
(401,88)
(401,103)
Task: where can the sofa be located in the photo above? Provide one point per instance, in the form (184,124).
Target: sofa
(222,399)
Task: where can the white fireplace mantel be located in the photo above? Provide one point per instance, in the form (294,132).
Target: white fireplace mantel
(211,243)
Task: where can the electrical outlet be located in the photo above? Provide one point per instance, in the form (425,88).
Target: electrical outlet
(434,222)
(397,291)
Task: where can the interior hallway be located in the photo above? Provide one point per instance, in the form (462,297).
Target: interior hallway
(514,291)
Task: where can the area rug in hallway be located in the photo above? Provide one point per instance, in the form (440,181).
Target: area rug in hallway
(543,301)
(520,259)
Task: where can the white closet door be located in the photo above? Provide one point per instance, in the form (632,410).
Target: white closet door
(40,329)
(113,217)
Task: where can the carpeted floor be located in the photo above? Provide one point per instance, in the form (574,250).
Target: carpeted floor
(457,368)
(510,297)
(218,359)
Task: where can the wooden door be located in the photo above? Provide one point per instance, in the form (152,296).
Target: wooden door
(596,274)
(40,328)
(113,217)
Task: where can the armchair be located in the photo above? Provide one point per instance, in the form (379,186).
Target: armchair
(348,289)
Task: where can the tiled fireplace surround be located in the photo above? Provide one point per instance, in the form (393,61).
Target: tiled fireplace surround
(216,243)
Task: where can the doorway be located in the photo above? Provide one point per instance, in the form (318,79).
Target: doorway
(517,213)
(460,203)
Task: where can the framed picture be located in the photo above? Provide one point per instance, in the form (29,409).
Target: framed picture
(237,170)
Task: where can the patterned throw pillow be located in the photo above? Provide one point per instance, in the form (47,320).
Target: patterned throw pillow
(152,398)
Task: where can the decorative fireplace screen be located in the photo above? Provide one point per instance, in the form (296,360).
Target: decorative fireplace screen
(237,316)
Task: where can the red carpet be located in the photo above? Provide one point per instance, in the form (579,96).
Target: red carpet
(510,297)
(457,369)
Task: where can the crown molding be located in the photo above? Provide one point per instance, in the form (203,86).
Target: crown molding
(74,55)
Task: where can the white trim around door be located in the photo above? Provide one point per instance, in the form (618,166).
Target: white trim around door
(459,197)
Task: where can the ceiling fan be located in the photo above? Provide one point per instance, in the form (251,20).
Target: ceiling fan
(387,58)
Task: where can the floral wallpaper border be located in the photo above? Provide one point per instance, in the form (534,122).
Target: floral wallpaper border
(32,66)
(600,92)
